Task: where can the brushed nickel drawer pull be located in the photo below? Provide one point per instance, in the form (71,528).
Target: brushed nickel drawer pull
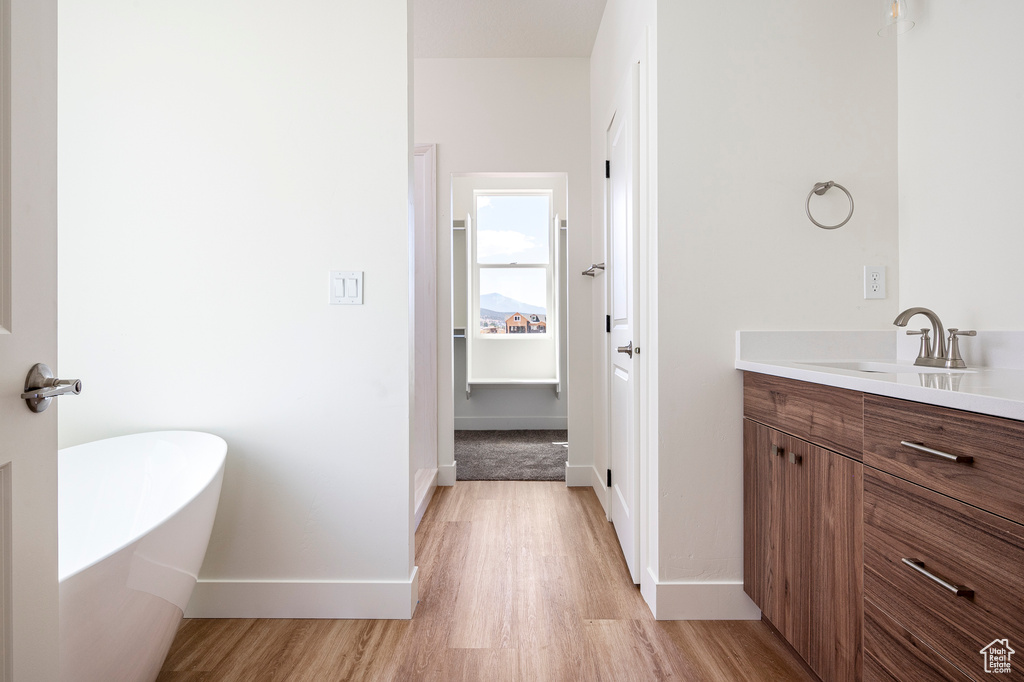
(960,459)
(955,589)
(777,451)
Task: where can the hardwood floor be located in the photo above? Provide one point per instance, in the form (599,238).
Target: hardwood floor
(518,581)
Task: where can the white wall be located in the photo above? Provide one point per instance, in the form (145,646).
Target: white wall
(960,110)
(507,116)
(754,104)
(217,160)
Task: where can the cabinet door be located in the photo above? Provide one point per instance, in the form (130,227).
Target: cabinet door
(763,504)
(797,542)
(803,547)
(835,486)
(777,516)
(755,511)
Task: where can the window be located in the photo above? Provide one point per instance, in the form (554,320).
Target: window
(513,264)
(511,286)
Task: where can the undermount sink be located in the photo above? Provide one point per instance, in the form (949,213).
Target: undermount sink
(885,368)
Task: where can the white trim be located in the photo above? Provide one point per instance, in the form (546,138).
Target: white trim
(647,315)
(386,600)
(5,194)
(6,612)
(423,494)
(424,443)
(446,474)
(507,423)
(579,475)
(649,588)
(699,601)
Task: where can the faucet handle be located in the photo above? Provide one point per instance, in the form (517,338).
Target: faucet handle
(954,360)
(926,342)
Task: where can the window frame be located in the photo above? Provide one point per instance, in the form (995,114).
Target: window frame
(551,271)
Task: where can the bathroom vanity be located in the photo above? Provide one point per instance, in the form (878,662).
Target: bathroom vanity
(884,533)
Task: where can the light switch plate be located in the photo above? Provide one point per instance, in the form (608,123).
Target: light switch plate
(874,281)
(346,287)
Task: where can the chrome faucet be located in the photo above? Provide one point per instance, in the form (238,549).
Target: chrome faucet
(931,355)
(937,355)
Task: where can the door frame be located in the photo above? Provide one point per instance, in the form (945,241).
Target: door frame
(424,278)
(645,330)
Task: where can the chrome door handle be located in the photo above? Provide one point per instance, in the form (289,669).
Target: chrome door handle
(627,349)
(41,387)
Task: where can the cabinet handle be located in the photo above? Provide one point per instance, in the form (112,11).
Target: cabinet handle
(960,459)
(777,451)
(955,589)
(795,458)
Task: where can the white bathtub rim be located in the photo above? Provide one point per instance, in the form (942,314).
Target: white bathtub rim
(221,448)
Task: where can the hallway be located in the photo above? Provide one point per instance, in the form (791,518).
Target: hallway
(518,581)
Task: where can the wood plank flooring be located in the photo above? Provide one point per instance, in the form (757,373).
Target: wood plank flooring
(518,581)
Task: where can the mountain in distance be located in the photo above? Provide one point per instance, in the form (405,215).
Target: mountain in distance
(499,303)
(487,315)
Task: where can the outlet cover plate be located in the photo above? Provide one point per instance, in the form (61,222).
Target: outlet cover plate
(874,281)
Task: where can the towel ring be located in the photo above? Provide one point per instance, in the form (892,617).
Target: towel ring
(819,189)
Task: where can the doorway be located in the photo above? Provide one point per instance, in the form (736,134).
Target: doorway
(509,311)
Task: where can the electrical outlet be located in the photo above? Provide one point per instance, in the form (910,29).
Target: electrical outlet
(874,281)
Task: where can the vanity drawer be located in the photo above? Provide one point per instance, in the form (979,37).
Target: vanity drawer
(893,654)
(957,543)
(994,480)
(832,418)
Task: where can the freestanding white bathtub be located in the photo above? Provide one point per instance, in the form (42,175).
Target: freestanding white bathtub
(134,517)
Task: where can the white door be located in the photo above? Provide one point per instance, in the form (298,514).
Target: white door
(621,207)
(28,334)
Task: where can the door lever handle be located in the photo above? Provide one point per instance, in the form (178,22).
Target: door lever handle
(59,387)
(41,387)
(627,349)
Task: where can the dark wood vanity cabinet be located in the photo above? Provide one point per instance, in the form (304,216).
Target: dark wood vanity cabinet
(954,510)
(858,565)
(802,554)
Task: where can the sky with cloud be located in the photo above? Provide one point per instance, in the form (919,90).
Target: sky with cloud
(514,229)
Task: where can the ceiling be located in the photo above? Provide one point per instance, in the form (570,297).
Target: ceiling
(505,28)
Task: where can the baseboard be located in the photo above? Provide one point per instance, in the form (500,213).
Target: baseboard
(425,488)
(446,474)
(511,423)
(597,482)
(699,601)
(579,475)
(385,600)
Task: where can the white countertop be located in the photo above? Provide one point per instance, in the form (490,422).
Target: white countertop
(993,382)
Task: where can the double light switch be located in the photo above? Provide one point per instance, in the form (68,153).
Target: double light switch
(346,287)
